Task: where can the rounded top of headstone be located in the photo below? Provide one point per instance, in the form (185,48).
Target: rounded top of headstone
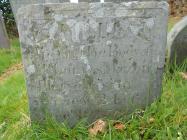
(175,36)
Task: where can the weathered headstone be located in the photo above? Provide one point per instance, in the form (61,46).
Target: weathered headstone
(177,42)
(91,60)
(4,40)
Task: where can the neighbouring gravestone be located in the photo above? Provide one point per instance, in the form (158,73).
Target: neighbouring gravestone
(90,60)
(4,40)
(177,42)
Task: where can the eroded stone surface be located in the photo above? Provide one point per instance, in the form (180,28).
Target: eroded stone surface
(177,42)
(16,4)
(92,60)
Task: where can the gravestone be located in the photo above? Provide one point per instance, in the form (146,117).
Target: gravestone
(90,60)
(4,40)
(177,42)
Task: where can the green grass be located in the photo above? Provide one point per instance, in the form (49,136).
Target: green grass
(10,56)
(13,105)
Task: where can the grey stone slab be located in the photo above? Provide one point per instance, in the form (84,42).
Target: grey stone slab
(92,60)
(4,40)
(177,42)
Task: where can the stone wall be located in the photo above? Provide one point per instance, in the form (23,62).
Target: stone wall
(178,7)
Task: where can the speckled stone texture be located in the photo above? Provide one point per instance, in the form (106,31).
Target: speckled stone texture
(16,4)
(92,60)
(177,43)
